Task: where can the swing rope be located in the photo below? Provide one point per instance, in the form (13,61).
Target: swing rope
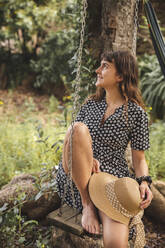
(76,104)
(135,27)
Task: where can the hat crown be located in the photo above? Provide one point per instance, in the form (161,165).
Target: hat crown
(127,192)
(118,198)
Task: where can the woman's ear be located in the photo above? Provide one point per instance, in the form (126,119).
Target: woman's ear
(120,78)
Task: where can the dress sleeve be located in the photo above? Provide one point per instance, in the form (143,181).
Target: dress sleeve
(140,132)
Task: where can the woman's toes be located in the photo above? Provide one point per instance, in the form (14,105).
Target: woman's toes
(90,220)
(92,230)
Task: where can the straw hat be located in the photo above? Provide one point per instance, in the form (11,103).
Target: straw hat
(119,199)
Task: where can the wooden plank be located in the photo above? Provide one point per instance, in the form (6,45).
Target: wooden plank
(70,220)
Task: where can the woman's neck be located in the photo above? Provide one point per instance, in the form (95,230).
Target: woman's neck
(113,97)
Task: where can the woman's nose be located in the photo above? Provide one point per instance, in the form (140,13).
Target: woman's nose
(98,70)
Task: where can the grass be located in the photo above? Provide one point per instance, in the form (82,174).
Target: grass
(32,131)
(23,150)
(30,138)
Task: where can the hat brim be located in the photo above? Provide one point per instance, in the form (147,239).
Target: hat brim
(99,198)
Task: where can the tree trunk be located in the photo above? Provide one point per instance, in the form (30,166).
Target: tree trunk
(111,25)
(3,76)
(118,24)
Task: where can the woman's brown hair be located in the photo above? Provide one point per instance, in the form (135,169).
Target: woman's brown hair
(126,66)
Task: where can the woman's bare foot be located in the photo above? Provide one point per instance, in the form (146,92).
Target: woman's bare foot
(89,219)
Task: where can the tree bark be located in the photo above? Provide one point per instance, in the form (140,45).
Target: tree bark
(3,76)
(156,211)
(111,27)
(118,24)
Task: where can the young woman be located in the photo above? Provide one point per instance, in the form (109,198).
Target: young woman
(106,123)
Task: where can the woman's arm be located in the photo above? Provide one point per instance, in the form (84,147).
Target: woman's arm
(139,163)
(141,169)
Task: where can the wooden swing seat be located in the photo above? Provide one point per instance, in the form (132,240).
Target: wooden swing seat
(69,221)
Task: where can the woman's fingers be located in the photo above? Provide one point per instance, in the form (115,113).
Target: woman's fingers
(146,195)
(96,166)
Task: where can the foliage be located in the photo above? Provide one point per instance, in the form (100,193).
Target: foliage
(153,84)
(28,147)
(24,24)
(88,75)
(29,143)
(16,231)
(53,104)
(40,39)
(61,65)
(51,65)
(43,32)
(27,150)
(156,155)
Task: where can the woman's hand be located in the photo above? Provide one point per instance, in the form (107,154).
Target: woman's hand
(146,195)
(96,166)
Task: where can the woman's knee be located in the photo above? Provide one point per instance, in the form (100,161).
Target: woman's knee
(115,234)
(79,137)
(79,128)
(80,133)
(116,239)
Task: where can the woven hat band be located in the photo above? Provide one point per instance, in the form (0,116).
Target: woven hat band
(110,191)
(136,221)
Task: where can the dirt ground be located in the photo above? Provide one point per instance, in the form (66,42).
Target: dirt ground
(155,234)
(16,98)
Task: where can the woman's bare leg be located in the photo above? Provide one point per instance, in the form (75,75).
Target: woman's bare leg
(115,234)
(82,163)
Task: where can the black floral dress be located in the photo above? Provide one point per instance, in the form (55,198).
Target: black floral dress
(109,141)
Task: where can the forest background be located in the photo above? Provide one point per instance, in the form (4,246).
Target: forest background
(38,53)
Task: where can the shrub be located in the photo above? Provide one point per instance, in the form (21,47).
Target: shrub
(153,85)
(156,154)
(27,147)
(52,64)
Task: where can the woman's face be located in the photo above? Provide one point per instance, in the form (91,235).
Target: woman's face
(107,76)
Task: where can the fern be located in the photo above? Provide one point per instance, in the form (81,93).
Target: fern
(153,85)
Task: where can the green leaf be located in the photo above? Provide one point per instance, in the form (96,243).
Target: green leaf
(21,240)
(4,207)
(30,222)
